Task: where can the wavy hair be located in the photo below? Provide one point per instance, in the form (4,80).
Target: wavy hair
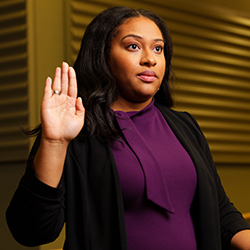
(96,85)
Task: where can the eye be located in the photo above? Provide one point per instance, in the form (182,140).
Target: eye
(133,46)
(158,49)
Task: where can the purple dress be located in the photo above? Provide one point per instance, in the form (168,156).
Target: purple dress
(158,181)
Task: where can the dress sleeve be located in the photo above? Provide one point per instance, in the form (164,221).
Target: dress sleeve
(231,220)
(35,215)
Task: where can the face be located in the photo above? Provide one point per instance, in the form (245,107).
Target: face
(137,63)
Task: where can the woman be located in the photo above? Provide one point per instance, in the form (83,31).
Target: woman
(121,168)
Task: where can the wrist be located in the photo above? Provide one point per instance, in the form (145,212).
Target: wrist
(54,142)
(54,146)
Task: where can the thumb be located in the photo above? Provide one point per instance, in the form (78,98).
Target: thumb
(80,110)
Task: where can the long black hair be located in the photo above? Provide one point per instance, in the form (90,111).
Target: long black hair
(96,85)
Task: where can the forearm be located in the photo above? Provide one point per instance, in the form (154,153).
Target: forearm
(49,161)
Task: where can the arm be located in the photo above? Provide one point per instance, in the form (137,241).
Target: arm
(235,230)
(62,119)
(35,215)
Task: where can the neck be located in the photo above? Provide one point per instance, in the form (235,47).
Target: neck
(127,106)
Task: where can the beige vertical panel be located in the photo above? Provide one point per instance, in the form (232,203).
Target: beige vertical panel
(211,64)
(13,80)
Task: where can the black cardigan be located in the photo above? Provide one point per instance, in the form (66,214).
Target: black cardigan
(89,197)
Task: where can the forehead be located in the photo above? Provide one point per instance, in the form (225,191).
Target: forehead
(140,26)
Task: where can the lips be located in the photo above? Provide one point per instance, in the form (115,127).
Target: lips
(147,76)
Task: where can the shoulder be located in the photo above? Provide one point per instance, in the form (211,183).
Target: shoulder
(178,118)
(184,126)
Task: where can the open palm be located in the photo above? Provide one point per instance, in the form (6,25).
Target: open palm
(62,113)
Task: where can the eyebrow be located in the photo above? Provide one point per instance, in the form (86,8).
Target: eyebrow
(139,37)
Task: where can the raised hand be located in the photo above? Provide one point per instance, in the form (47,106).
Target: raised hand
(62,112)
(62,119)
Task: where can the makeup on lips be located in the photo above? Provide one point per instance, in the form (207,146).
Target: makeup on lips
(147,76)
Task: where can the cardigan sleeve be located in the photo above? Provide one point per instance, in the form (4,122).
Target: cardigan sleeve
(35,215)
(231,220)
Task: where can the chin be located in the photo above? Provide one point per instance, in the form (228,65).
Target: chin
(143,98)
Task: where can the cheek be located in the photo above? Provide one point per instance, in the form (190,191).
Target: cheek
(124,69)
(163,67)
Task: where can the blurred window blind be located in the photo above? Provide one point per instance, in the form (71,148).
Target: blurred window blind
(211,64)
(13,80)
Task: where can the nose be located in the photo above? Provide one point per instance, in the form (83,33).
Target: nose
(148,59)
